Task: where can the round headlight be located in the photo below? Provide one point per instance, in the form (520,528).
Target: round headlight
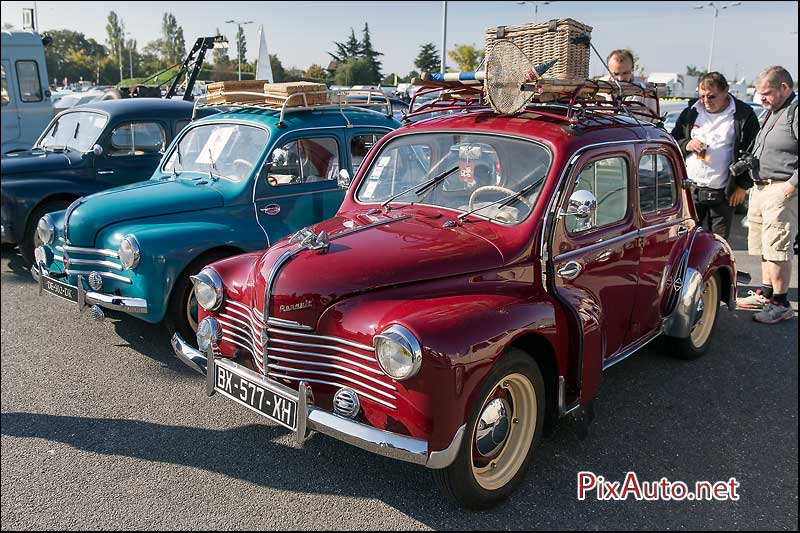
(46,230)
(208,331)
(399,353)
(207,289)
(129,252)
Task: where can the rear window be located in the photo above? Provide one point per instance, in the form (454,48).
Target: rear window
(30,85)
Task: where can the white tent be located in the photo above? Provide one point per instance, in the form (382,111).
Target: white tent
(263,67)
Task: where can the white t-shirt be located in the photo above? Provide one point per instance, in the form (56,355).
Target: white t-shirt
(717,131)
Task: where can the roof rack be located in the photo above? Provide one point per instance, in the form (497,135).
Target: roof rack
(579,97)
(299,101)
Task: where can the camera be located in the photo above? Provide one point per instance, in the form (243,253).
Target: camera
(747,163)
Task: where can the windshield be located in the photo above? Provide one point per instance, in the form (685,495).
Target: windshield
(74,131)
(228,151)
(474,171)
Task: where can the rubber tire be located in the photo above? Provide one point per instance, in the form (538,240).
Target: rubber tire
(457,481)
(685,348)
(175,320)
(30,240)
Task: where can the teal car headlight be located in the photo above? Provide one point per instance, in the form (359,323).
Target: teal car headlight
(207,289)
(208,331)
(46,230)
(399,352)
(129,252)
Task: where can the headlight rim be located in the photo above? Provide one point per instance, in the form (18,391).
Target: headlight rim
(51,227)
(135,248)
(403,336)
(209,276)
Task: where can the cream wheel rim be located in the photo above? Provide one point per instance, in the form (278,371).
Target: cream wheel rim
(702,330)
(498,468)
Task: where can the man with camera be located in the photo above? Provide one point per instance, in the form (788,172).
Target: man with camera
(772,215)
(714,131)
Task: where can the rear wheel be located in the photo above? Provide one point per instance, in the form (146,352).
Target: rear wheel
(182,310)
(505,424)
(30,240)
(698,341)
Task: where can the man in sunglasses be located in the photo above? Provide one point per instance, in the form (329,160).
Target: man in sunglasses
(713,132)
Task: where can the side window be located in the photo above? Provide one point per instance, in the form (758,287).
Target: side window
(4,98)
(180,124)
(30,86)
(137,138)
(608,180)
(657,186)
(305,161)
(359,146)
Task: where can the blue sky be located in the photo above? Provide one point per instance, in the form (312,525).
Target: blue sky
(667,36)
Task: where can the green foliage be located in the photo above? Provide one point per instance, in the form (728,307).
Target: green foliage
(428,58)
(692,70)
(73,56)
(278,72)
(316,72)
(241,46)
(220,55)
(371,55)
(173,44)
(344,51)
(467,57)
(410,76)
(354,71)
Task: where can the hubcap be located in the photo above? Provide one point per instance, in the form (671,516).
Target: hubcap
(493,428)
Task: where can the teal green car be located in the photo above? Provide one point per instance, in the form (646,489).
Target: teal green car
(228,184)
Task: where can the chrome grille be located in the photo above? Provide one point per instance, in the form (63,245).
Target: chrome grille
(304,356)
(83,261)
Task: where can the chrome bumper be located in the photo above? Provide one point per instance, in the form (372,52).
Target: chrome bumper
(106,301)
(310,418)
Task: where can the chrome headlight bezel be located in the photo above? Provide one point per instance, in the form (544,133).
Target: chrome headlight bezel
(386,344)
(209,332)
(46,229)
(129,251)
(209,280)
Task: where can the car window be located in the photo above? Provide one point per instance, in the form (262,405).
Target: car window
(360,145)
(608,180)
(75,130)
(137,138)
(180,124)
(4,99)
(304,161)
(30,86)
(657,186)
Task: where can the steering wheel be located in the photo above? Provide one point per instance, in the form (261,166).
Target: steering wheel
(493,188)
(272,180)
(247,164)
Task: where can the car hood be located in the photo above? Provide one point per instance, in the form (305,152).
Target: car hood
(149,198)
(365,253)
(37,161)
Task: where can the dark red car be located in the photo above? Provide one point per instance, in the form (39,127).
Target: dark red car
(480,275)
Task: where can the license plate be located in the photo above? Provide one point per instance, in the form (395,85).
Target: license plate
(261,400)
(62,290)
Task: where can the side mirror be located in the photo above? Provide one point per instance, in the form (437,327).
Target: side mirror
(344,179)
(582,204)
(97,149)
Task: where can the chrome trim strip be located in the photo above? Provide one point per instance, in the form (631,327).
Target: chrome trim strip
(118,303)
(245,339)
(608,363)
(333,358)
(107,264)
(312,354)
(333,384)
(335,367)
(596,246)
(103,274)
(237,343)
(252,312)
(237,328)
(279,322)
(247,319)
(370,349)
(95,251)
(345,233)
(58,258)
(325,346)
(333,375)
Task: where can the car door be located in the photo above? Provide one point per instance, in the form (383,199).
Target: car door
(664,227)
(300,185)
(131,151)
(10,113)
(595,259)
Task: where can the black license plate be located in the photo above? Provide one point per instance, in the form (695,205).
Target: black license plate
(62,290)
(263,401)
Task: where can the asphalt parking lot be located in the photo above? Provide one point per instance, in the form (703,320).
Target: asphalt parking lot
(102,428)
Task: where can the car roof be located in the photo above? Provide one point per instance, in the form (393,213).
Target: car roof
(134,107)
(305,118)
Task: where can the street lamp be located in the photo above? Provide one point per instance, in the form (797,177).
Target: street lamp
(535,8)
(119,55)
(442,66)
(714,26)
(239,33)
(130,51)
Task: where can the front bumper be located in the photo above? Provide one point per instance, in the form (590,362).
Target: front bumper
(87,298)
(311,418)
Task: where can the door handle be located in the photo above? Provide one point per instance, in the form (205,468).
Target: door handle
(604,256)
(682,230)
(570,270)
(271,209)
(105,171)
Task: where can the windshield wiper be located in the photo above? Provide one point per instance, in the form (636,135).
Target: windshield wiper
(503,202)
(423,187)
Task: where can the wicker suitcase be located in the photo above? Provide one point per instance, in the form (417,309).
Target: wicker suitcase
(278,93)
(547,40)
(217,92)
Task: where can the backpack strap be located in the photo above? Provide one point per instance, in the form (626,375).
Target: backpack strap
(790,114)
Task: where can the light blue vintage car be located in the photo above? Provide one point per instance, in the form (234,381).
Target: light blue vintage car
(228,184)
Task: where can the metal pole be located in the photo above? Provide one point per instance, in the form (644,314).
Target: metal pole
(238,49)
(713,33)
(536,11)
(35,18)
(119,53)
(130,59)
(444,37)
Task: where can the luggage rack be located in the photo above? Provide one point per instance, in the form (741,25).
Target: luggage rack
(337,99)
(577,97)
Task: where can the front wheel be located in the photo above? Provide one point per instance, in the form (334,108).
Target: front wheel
(504,426)
(30,240)
(698,341)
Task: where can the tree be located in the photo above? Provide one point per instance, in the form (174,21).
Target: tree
(347,50)
(316,72)
(692,70)
(638,69)
(115,29)
(278,72)
(354,71)
(371,55)
(410,76)
(172,43)
(428,59)
(65,42)
(467,57)
(220,55)
(241,47)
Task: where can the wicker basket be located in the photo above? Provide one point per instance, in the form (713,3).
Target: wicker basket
(217,89)
(547,40)
(278,93)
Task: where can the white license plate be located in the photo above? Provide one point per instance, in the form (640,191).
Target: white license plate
(262,400)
